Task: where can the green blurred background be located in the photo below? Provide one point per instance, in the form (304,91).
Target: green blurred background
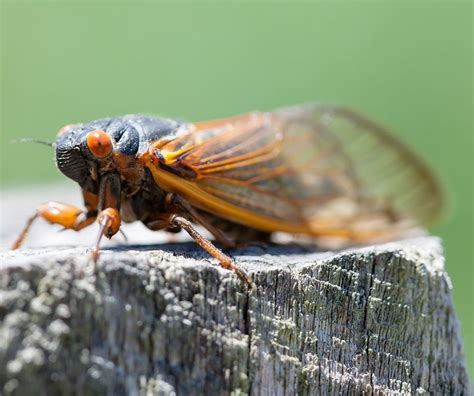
(407,64)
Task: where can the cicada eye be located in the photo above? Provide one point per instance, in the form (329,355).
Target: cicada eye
(65,129)
(99,143)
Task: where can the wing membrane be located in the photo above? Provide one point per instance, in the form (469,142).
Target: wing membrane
(324,170)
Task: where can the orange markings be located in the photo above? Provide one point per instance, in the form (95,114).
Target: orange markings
(110,219)
(99,143)
(59,213)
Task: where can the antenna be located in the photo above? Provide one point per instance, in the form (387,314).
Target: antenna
(32,140)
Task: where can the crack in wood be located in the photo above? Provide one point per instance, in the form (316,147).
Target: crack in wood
(151,321)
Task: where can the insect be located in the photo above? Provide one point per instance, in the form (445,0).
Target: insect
(315,170)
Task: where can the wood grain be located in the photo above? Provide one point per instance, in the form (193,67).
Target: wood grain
(161,319)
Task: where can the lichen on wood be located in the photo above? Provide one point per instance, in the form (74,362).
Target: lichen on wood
(165,319)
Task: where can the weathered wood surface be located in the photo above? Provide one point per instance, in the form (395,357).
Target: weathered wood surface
(163,320)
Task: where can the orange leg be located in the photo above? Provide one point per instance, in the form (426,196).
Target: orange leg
(109,223)
(68,216)
(224,260)
(109,216)
(73,218)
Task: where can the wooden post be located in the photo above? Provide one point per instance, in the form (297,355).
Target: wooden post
(163,320)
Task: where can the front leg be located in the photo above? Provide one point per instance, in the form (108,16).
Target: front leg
(110,193)
(74,218)
(68,216)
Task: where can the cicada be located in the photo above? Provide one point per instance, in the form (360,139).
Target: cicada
(314,170)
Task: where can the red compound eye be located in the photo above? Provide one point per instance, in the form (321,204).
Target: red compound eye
(99,143)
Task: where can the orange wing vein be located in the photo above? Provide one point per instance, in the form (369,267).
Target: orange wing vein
(316,170)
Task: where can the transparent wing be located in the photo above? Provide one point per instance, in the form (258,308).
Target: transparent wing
(325,169)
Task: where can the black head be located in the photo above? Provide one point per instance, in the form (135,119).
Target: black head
(80,148)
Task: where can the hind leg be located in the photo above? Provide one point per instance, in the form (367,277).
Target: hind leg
(224,260)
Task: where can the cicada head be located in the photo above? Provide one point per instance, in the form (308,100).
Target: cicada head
(85,151)
(72,158)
